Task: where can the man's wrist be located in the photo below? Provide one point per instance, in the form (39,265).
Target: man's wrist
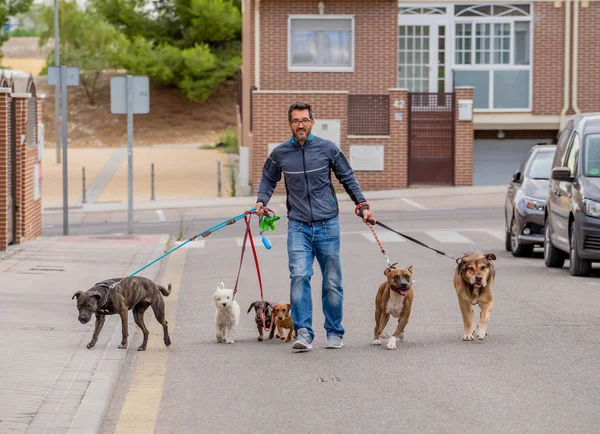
(361,207)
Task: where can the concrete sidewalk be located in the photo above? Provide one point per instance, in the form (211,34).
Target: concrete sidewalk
(180,172)
(50,381)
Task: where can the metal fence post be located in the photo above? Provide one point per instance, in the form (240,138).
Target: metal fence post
(152,182)
(83,198)
(219,194)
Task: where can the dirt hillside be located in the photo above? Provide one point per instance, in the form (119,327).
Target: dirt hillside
(172,118)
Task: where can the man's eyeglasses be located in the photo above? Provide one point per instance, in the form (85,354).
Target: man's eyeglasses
(304,121)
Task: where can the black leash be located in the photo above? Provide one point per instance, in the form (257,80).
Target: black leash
(415,241)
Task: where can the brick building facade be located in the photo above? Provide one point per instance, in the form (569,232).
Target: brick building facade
(530,64)
(20,166)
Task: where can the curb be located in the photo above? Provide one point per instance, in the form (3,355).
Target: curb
(77,400)
(95,401)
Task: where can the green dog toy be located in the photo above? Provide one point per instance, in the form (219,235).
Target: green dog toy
(268,223)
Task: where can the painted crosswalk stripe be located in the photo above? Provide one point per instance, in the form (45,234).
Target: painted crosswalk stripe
(385,237)
(257,242)
(497,234)
(413,203)
(448,237)
(198,244)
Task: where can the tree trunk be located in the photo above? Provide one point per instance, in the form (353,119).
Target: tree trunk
(90,87)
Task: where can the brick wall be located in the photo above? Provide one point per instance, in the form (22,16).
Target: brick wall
(271,124)
(588,94)
(463,145)
(548,58)
(376,35)
(271,127)
(29,210)
(4,162)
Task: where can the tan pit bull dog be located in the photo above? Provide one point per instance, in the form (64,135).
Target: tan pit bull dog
(474,283)
(394,298)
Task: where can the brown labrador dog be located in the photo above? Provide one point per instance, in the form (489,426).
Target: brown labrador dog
(137,293)
(474,283)
(394,298)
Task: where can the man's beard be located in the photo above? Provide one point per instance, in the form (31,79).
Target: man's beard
(307,132)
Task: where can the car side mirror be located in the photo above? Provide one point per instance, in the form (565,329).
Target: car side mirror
(562,174)
(517,177)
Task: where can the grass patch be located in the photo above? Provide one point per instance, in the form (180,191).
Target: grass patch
(206,147)
(229,142)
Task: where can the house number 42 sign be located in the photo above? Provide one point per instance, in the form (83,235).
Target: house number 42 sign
(399,104)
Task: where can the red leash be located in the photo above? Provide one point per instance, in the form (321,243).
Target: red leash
(249,232)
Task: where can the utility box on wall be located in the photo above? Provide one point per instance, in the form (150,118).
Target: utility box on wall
(465,110)
(328,129)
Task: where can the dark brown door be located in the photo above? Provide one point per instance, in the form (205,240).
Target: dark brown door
(431,138)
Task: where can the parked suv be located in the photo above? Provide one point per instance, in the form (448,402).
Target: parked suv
(526,201)
(573,206)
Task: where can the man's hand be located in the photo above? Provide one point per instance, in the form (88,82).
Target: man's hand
(362,210)
(368,216)
(259,209)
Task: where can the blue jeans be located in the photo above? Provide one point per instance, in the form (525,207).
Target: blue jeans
(306,242)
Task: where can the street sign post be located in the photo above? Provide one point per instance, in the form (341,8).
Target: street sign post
(130,95)
(63,76)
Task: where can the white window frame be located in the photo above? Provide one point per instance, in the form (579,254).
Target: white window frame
(450,20)
(292,68)
(492,66)
(433,21)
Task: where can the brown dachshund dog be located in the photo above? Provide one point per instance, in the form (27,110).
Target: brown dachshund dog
(283,320)
(267,311)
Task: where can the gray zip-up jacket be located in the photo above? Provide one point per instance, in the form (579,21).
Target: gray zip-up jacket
(307,170)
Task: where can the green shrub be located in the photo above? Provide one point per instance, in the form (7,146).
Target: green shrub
(230,140)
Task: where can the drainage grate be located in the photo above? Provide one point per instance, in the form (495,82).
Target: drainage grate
(113,237)
(46,268)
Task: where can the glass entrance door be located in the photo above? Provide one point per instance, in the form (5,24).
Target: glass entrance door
(422,57)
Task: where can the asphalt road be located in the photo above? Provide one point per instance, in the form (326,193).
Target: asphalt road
(537,371)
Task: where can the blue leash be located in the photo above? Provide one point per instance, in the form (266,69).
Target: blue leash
(195,237)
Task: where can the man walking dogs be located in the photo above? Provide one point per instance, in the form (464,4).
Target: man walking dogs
(313,223)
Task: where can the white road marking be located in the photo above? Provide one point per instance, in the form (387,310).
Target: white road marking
(385,237)
(257,242)
(413,203)
(161,215)
(448,237)
(198,244)
(497,234)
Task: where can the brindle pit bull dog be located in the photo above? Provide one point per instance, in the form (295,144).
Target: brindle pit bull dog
(474,283)
(137,293)
(394,298)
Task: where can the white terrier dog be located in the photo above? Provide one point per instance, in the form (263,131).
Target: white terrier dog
(228,314)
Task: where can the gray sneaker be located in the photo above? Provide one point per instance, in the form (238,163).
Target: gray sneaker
(334,342)
(303,341)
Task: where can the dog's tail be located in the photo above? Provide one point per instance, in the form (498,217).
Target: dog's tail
(163,291)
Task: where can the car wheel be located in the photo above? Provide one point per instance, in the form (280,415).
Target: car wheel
(553,257)
(517,249)
(577,265)
(507,240)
